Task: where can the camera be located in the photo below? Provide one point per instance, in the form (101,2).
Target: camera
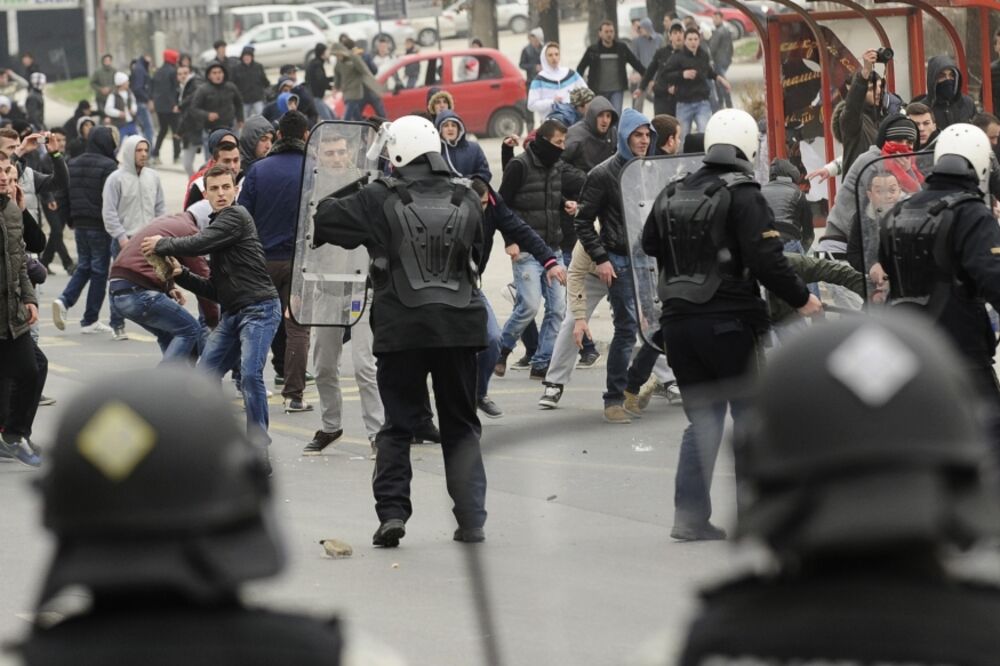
(42,141)
(882,56)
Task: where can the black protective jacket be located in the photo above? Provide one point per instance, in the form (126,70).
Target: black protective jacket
(755,246)
(239,271)
(87,174)
(317,79)
(948,109)
(975,248)
(360,219)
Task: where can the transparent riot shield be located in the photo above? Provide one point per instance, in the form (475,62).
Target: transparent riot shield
(882,184)
(642,180)
(328,282)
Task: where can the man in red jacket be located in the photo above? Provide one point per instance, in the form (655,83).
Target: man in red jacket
(142,295)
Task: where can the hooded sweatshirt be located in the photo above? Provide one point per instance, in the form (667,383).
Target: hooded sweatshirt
(132,198)
(946,100)
(601,196)
(645,48)
(253,129)
(87,175)
(464,157)
(585,147)
(552,84)
(223,99)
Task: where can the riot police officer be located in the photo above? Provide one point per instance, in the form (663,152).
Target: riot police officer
(714,237)
(423,231)
(161,510)
(939,251)
(865,462)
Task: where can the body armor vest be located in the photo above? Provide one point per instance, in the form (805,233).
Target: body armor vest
(917,241)
(430,248)
(696,257)
(782,197)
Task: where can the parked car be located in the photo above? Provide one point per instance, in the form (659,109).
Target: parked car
(636,9)
(275,44)
(734,18)
(512,15)
(427,28)
(327,6)
(238,20)
(487,87)
(359,23)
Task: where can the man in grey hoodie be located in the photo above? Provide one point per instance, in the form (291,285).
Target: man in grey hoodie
(256,139)
(644,47)
(595,138)
(132,197)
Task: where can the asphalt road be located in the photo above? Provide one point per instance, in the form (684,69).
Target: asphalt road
(578,554)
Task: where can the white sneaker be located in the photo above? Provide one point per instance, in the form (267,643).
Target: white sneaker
(59,314)
(96,327)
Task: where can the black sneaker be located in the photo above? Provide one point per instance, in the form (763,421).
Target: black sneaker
(538,373)
(389,533)
(470,535)
(550,396)
(588,359)
(320,441)
(500,369)
(292,406)
(46,401)
(705,532)
(522,363)
(20,451)
(488,407)
(429,435)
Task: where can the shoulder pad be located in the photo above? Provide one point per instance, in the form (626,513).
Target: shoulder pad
(386,181)
(737,178)
(460,180)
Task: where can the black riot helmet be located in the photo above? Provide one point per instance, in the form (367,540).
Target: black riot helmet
(152,483)
(866,433)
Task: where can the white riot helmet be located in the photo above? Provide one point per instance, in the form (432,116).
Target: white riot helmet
(967,142)
(410,137)
(735,128)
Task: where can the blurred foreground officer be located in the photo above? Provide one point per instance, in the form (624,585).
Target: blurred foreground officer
(713,236)
(865,460)
(940,251)
(423,231)
(160,546)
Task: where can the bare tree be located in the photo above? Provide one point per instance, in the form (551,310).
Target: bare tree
(597,12)
(483,22)
(657,9)
(545,14)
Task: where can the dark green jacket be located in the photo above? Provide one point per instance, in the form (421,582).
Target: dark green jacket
(15,287)
(813,269)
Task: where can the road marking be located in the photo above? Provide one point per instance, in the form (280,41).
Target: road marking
(141,337)
(45,341)
(61,368)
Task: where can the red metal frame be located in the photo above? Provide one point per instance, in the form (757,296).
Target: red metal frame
(761,28)
(985,42)
(824,82)
(883,38)
(956,41)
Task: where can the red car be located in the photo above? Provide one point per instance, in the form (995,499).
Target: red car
(488,89)
(739,22)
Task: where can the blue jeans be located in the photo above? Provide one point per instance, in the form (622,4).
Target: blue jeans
(253,109)
(245,335)
(532,286)
(145,120)
(93,262)
(177,332)
(616,98)
(487,358)
(697,112)
(626,323)
(354,109)
(127,130)
(117,320)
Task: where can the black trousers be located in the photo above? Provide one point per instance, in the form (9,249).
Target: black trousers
(168,121)
(56,244)
(23,370)
(642,363)
(402,384)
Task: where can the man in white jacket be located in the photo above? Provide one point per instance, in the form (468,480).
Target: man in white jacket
(133,196)
(553,83)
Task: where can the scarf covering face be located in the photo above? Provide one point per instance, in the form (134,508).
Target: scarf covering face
(552,73)
(904,168)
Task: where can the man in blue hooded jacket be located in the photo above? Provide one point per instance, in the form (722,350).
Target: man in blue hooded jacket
(465,158)
(601,199)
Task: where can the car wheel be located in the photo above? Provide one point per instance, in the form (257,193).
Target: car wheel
(387,37)
(505,122)
(427,37)
(518,24)
(737,28)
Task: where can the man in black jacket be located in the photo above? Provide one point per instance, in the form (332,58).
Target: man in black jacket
(218,103)
(425,320)
(691,71)
(605,60)
(87,174)
(165,102)
(601,199)
(240,284)
(317,79)
(713,238)
(944,93)
(251,81)
(664,93)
